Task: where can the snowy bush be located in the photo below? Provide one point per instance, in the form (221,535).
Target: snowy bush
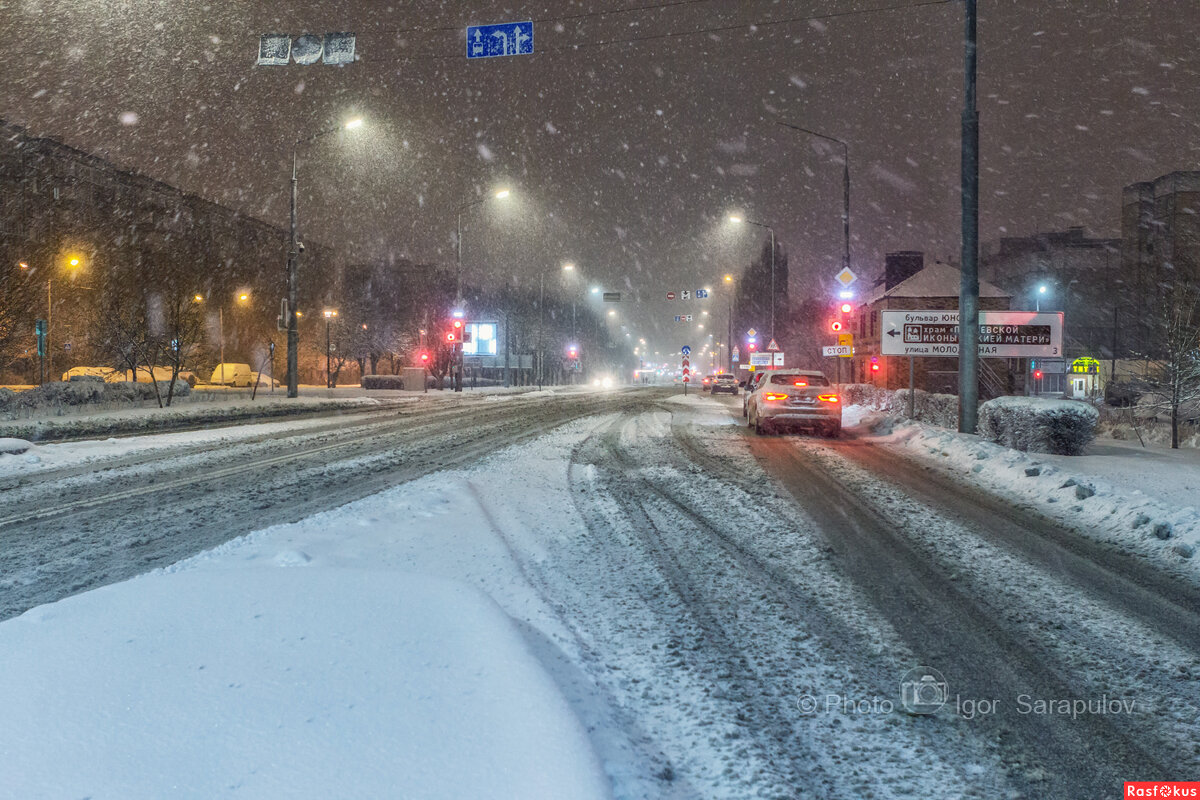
(8,399)
(1062,427)
(382,382)
(934,409)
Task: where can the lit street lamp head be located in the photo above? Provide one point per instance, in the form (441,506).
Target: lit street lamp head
(735,219)
(354,123)
(501,194)
(330,313)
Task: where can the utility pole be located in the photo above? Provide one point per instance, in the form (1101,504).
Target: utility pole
(968,297)
(293,293)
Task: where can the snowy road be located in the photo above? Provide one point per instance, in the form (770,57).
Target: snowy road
(731,616)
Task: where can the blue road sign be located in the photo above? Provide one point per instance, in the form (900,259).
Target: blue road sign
(687,351)
(504,39)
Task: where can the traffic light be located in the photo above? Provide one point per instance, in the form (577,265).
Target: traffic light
(1037,374)
(874,364)
(455,334)
(424,359)
(847,308)
(836,326)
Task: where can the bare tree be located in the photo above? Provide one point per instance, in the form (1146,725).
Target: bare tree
(1175,385)
(176,331)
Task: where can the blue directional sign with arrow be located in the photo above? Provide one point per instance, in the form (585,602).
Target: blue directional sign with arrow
(687,351)
(503,39)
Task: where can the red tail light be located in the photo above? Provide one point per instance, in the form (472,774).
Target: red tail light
(774,396)
(827,398)
(801,383)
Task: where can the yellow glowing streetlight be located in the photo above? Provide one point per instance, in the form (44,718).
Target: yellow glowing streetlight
(354,123)
(501,194)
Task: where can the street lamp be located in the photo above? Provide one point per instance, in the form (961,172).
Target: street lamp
(243,298)
(330,313)
(738,221)
(1042,290)
(73,263)
(293,287)
(845,185)
(500,194)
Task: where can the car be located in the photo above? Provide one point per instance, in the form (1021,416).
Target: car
(725,382)
(707,381)
(232,374)
(751,382)
(263,381)
(795,398)
(99,373)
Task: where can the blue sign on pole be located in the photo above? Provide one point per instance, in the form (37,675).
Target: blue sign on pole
(504,39)
(687,351)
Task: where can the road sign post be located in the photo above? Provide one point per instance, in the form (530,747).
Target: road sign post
(1001,334)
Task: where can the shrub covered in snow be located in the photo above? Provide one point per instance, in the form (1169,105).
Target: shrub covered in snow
(1063,427)
(382,382)
(80,393)
(934,409)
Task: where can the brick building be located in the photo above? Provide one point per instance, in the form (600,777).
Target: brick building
(58,203)
(1160,231)
(909,284)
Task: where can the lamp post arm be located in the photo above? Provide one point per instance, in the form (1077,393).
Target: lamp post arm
(845,182)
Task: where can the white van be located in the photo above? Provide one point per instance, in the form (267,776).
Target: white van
(230,374)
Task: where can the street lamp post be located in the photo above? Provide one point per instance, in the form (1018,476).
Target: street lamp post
(770,230)
(845,186)
(458,298)
(729,320)
(330,313)
(293,281)
(73,262)
(1037,298)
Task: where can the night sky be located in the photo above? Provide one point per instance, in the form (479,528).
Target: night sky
(626,156)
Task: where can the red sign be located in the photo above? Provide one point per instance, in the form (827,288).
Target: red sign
(686,379)
(670,295)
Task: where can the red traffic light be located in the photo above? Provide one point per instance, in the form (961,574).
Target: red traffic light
(424,358)
(458,323)
(847,308)
(452,337)
(835,326)
(1037,374)
(752,347)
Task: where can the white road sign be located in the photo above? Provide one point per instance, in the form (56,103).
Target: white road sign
(838,350)
(1002,334)
(760,359)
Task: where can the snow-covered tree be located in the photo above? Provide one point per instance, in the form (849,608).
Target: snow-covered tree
(1174,388)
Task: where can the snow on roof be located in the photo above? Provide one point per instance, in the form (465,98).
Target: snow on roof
(935,280)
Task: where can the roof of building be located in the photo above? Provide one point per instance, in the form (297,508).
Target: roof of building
(935,280)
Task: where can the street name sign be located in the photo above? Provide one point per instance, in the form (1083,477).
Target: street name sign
(503,39)
(1002,334)
(761,359)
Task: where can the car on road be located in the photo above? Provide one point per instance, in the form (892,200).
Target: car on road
(707,381)
(725,382)
(795,399)
(751,382)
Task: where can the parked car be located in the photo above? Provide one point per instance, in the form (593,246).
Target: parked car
(142,375)
(87,372)
(795,399)
(751,383)
(232,374)
(725,382)
(262,381)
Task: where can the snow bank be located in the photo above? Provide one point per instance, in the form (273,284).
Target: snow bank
(1159,528)
(286,680)
(935,409)
(13,447)
(1064,427)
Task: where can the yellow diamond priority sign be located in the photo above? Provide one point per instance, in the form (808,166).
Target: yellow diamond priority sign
(845,277)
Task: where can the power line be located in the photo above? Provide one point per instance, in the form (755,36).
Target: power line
(681,34)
